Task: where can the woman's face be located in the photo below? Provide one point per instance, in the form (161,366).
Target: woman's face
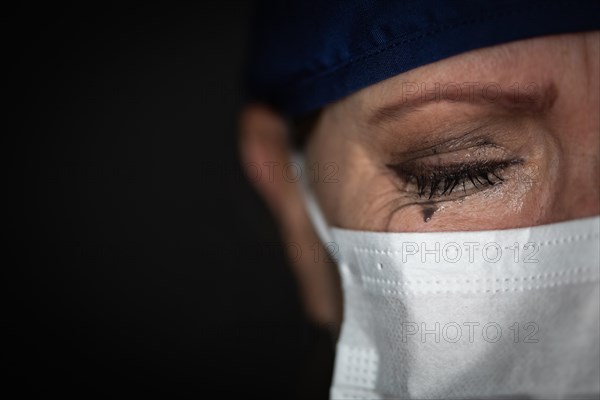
(502,137)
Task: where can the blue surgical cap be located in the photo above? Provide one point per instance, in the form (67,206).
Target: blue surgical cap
(305,54)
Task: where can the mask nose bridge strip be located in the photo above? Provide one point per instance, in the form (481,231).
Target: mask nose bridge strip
(373,261)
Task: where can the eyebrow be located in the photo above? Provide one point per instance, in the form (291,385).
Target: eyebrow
(536,100)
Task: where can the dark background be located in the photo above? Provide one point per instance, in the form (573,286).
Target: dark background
(145,263)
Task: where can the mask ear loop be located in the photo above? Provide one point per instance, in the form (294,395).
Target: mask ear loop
(312,206)
(318,219)
(320,224)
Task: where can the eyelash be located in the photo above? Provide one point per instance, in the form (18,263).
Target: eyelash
(442,180)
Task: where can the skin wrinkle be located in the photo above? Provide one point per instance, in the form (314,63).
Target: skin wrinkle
(551,185)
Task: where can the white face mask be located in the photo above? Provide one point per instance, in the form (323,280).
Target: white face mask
(506,313)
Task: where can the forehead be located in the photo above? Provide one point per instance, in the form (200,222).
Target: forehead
(513,66)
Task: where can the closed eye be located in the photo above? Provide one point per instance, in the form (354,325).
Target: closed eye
(442,180)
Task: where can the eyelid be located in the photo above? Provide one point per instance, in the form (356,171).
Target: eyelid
(482,150)
(464,145)
(486,134)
